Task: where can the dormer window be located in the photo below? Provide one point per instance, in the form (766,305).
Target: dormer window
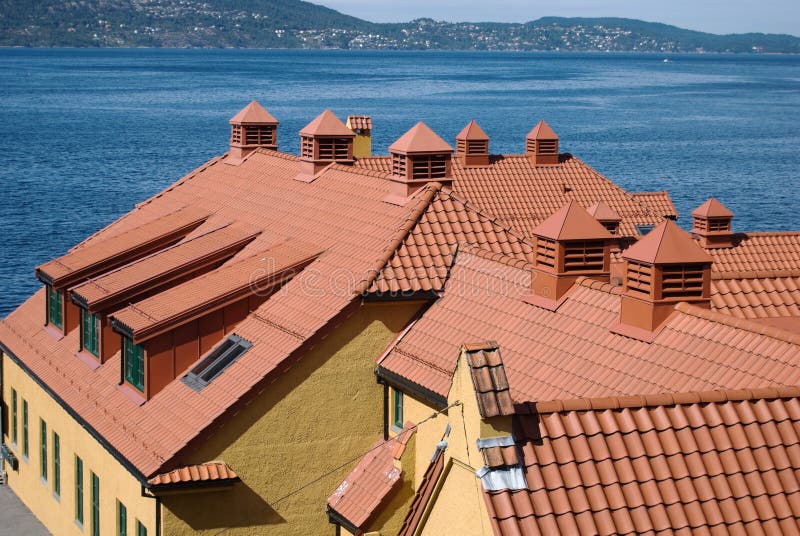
(133,363)
(55,307)
(90,333)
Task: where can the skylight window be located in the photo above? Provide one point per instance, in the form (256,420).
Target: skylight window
(220,358)
(644,229)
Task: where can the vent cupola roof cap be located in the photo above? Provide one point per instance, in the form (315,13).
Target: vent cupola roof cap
(542,131)
(572,222)
(602,212)
(472,131)
(712,208)
(327,124)
(667,244)
(420,139)
(253,114)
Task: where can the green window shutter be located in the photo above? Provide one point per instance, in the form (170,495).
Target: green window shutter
(78,490)
(14,423)
(122,520)
(95,505)
(134,363)
(90,332)
(56,464)
(398,408)
(54,307)
(140,529)
(24,427)
(43,449)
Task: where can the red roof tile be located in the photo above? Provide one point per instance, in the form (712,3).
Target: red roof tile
(758,296)
(472,131)
(326,124)
(87,260)
(420,139)
(659,203)
(712,209)
(667,244)
(489,379)
(758,252)
(216,472)
(361,493)
(572,353)
(542,131)
(725,466)
(571,222)
(253,114)
(363,122)
(124,284)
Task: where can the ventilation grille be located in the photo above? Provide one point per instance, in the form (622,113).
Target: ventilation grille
(712,224)
(585,256)
(547,147)
(334,149)
(259,135)
(307,147)
(545,252)
(477,147)
(429,167)
(640,277)
(682,281)
(236,134)
(399,165)
(611,226)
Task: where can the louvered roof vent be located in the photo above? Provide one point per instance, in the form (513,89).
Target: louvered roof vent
(251,128)
(712,224)
(472,146)
(419,156)
(541,145)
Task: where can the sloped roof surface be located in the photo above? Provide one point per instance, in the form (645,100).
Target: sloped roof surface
(420,139)
(727,465)
(489,379)
(572,222)
(203,472)
(522,195)
(253,113)
(712,209)
(762,295)
(472,131)
(758,252)
(667,244)
(659,203)
(602,212)
(542,131)
(359,122)
(571,353)
(326,124)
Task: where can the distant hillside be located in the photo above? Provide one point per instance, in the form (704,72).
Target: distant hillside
(298,24)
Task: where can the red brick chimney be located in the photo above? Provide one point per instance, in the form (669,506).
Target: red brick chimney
(472,146)
(606,216)
(251,128)
(419,156)
(323,141)
(663,268)
(712,224)
(541,145)
(569,244)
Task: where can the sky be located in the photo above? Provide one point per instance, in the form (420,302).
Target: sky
(715,16)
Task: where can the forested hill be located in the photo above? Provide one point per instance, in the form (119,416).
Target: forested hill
(298,24)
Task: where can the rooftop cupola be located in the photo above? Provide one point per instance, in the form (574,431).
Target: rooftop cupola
(568,244)
(419,156)
(251,128)
(712,224)
(361,125)
(606,216)
(323,141)
(663,268)
(472,146)
(541,145)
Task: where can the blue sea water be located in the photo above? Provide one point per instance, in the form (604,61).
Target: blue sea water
(85,134)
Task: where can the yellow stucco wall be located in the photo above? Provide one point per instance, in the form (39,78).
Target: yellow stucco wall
(458,508)
(58,514)
(362,146)
(428,433)
(321,415)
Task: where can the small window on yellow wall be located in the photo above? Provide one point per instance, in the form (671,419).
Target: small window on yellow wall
(397,409)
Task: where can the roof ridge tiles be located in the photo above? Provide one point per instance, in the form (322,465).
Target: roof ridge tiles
(499,257)
(739,323)
(755,274)
(277,154)
(602,286)
(666,399)
(480,212)
(770,233)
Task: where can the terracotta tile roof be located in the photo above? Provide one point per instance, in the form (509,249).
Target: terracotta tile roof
(186,301)
(571,222)
(420,139)
(363,122)
(361,493)
(125,283)
(423,256)
(87,260)
(472,131)
(253,113)
(571,353)
(522,195)
(216,472)
(423,494)
(725,466)
(489,379)
(712,209)
(659,203)
(757,297)
(542,131)
(758,252)
(500,456)
(326,124)
(667,244)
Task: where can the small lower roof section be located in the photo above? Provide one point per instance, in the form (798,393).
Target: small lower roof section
(201,475)
(359,496)
(659,203)
(718,462)
(211,291)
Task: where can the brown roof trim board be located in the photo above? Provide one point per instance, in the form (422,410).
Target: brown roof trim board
(408,387)
(108,254)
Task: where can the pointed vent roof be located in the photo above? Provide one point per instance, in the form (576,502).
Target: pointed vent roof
(602,212)
(667,244)
(253,114)
(326,124)
(472,131)
(712,209)
(572,222)
(420,139)
(542,131)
